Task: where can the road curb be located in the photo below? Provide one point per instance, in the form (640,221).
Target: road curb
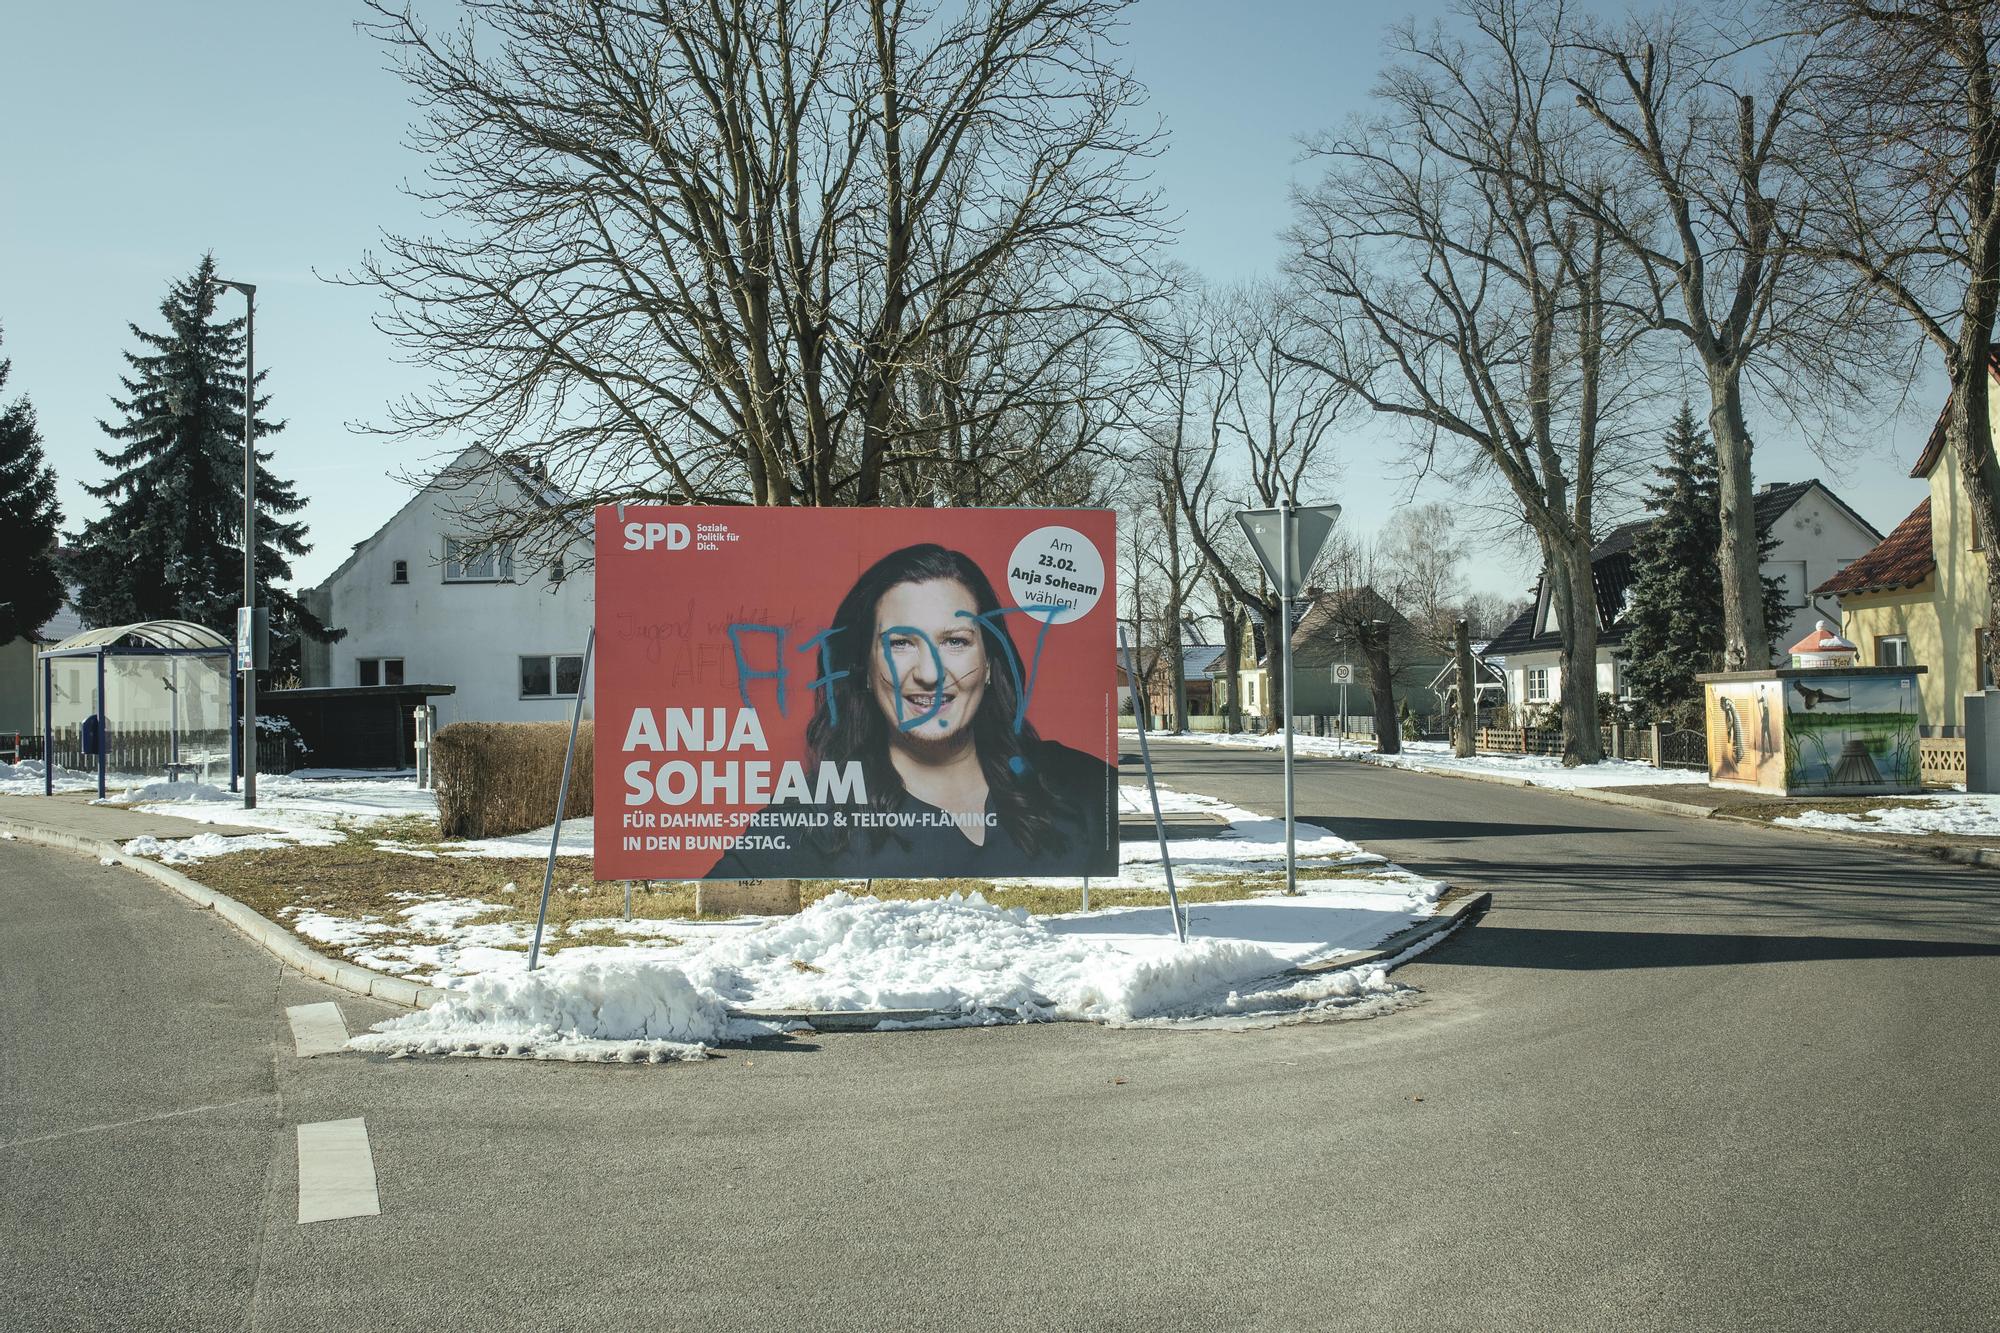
(261,930)
(1466,910)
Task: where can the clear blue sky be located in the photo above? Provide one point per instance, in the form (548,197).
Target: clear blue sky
(141,135)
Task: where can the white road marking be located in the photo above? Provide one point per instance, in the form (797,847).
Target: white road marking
(317,1028)
(336,1171)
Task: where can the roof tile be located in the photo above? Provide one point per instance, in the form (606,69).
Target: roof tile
(1903,559)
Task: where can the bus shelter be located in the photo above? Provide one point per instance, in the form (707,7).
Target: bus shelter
(153,696)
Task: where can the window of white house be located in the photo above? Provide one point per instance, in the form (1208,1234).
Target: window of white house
(399,571)
(1538,685)
(1791,575)
(1892,650)
(379,670)
(551,676)
(469,561)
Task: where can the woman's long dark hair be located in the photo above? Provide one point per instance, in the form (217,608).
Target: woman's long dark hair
(847,723)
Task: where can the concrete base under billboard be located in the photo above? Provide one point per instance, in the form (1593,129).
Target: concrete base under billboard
(747,897)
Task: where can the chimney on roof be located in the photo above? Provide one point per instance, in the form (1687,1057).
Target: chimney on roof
(1770,486)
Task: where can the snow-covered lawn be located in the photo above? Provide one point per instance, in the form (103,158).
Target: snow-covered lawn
(1957,813)
(658,988)
(1436,757)
(967,961)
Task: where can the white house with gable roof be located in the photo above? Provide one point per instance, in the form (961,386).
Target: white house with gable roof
(428,599)
(1813,535)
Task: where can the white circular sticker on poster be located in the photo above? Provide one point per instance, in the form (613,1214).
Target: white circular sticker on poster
(1056,567)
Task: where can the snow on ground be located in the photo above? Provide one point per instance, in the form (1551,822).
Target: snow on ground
(169,793)
(186,851)
(576,836)
(310,808)
(25,779)
(1436,757)
(1957,813)
(969,962)
(1537,770)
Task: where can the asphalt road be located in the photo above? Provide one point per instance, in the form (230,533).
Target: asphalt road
(1684,1075)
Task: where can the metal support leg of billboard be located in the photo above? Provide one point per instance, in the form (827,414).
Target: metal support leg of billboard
(562,798)
(1286,519)
(1152,788)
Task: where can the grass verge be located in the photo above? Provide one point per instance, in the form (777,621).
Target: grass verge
(360,881)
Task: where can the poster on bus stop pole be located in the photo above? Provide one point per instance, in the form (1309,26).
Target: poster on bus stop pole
(847,693)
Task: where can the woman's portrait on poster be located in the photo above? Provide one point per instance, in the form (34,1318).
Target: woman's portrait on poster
(925,692)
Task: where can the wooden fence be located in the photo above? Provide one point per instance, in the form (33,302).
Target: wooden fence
(1662,747)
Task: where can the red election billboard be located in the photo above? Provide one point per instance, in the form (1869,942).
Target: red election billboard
(897,693)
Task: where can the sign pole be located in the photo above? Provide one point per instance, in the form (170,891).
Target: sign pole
(1152,788)
(1343,719)
(562,798)
(1288,578)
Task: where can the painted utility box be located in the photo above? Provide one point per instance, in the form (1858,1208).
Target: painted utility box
(1821,731)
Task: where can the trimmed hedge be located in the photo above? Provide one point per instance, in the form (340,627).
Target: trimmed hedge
(497,778)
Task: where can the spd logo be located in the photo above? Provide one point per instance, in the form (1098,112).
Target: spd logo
(645,536)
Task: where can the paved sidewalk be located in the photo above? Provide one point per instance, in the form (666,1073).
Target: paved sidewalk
(73,814)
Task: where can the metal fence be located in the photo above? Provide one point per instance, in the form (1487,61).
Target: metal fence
(1682,748)
(146,750)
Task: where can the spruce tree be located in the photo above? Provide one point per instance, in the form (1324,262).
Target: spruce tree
(1673,613)
(30,519)
(169,545)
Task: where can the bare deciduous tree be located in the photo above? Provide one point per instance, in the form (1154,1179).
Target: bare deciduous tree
(1422,563)
(1906,100)
(1488,313)
(783,251)
(1246,423)
(1716,194)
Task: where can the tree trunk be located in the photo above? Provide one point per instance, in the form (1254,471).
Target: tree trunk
(1746,640)
(1176,601)
(1272,707)
(1374,640)
(1971,421)
(1578,605)
(1232,651)
(1464,743)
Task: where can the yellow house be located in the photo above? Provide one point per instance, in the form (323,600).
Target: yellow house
(1919,598)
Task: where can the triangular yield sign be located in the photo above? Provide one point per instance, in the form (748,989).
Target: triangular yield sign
(1311,525)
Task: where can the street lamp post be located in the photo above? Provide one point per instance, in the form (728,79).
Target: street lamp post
(248,670)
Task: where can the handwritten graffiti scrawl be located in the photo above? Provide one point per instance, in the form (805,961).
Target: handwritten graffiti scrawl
(813,693)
